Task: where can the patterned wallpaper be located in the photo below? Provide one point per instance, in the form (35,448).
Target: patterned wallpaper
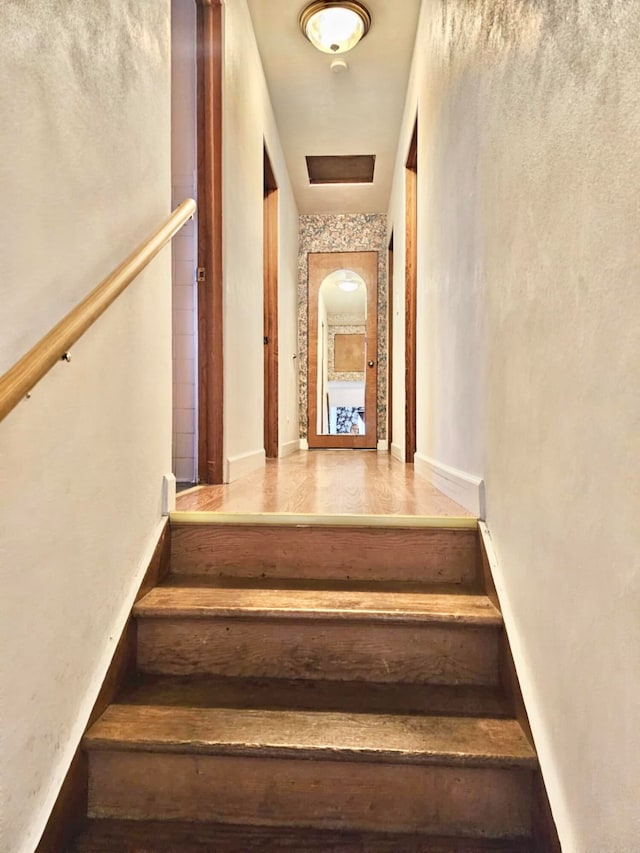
(344,232)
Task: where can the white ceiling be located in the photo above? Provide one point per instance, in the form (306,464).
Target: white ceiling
(339,301)
(355,112)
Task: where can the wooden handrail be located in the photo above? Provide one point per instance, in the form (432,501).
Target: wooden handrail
(26,373)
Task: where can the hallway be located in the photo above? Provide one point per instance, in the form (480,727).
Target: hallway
(353,482)
(501,198)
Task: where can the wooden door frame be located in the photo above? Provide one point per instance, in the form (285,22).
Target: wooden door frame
(270,309)
(390,344)
(210,283)
(321,264)
(411,264)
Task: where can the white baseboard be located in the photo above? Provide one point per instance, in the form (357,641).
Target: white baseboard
(383,445)
(304,444)
(533,701)
(168,493)
(289,448)
(397,452)
(238,466)
(463,488)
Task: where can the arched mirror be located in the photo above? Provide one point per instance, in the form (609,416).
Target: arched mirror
(342,349)
(341,358)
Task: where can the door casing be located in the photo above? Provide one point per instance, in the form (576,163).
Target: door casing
(210,283)
(410,307)
(390,345)
(270,309)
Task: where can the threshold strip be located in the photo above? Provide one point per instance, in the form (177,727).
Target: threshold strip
(326,520)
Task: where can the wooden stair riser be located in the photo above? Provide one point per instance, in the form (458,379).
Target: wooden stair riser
(315,695)
(419,555)
(326,611)
(324,794)
(126,836)
(441,653)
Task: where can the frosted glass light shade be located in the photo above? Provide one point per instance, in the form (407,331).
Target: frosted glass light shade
(335,27)
(348,285)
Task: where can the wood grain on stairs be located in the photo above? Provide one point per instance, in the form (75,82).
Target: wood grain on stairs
(376,649)
(122,836)
(368,553)
(323,584)
(321,769)
(316,695)
(322,793)
(168,601)
(460,741)
(313,688)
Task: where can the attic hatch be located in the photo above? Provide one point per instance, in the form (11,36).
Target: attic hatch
(341,169)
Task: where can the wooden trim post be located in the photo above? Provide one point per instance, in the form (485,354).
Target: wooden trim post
(270,309)
(210,284)
(411,263)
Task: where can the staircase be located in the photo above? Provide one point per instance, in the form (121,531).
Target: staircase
(313,688)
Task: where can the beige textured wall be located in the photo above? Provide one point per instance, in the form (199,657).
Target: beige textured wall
(249,122)
(529,357)
(85,176)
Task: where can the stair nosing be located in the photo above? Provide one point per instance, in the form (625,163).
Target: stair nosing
(440,759)
(97,740)
(146,608)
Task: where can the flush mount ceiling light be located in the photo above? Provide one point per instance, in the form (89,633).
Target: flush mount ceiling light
(335,26)
(348,285)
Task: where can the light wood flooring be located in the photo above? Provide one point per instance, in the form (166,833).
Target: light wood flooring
(326,482)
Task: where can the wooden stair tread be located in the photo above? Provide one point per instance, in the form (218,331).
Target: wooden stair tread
(310,695)
(207,601)
(143,836)
(239,733)
(463,741)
